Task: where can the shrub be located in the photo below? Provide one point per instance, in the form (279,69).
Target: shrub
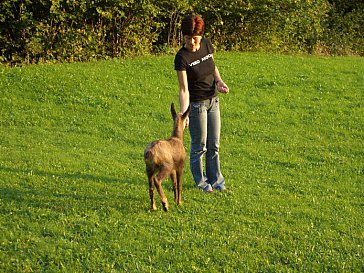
(34,31)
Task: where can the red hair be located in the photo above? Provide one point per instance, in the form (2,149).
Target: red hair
(193,25)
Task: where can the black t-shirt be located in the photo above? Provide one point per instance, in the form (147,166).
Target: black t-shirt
(200,68)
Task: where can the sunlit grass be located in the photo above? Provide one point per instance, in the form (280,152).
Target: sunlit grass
(74,196)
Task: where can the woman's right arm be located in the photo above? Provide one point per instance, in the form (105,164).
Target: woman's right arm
(184,95)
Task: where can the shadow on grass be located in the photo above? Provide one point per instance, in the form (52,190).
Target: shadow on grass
(61,198)
(73,176)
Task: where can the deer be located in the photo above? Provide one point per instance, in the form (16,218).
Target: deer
(167,158)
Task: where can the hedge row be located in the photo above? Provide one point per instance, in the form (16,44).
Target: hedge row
(34,31)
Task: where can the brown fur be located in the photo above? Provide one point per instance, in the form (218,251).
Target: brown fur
(167,157)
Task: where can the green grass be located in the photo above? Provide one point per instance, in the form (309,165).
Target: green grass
(74,195)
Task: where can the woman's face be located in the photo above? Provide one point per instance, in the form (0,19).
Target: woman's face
(192,43)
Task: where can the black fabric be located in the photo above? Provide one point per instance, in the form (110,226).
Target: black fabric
(200,68)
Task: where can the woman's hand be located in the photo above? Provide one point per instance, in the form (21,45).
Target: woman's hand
(222,87)
(187,124)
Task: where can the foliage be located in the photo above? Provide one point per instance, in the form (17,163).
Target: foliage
(75,30)
(286,26)
(81,30)
(344,35)
(74,194)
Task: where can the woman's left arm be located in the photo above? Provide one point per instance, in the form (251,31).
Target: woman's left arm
(221,86)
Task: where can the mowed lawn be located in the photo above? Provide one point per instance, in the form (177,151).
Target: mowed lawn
(74,194)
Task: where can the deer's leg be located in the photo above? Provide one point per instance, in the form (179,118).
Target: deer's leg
(179,187)
(174,181)
(151,192)
(158,184)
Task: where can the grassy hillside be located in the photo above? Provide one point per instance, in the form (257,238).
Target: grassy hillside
(74,195)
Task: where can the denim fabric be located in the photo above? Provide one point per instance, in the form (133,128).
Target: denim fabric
(205,141)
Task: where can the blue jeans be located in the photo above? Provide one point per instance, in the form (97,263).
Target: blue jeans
(204,129)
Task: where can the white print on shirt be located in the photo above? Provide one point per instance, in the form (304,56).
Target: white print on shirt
(194,63)
(208,56)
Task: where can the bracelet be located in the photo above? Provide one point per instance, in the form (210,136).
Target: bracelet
(218,81)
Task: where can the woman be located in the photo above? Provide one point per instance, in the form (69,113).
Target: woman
(199,82)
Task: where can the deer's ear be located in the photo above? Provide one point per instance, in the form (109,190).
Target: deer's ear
(173,111)
(185,114)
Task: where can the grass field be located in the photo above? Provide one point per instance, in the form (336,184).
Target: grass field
(74,195)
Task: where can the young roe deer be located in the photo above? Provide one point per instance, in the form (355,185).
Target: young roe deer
(167,157)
